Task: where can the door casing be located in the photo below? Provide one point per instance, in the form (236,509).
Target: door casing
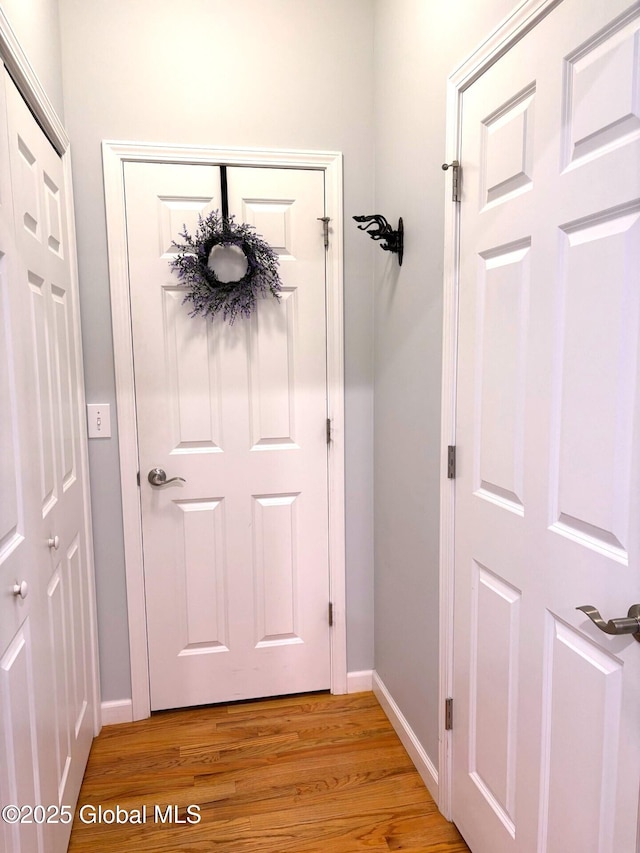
(517,25)
(114,155)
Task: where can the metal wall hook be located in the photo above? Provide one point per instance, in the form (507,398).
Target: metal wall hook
(378,228)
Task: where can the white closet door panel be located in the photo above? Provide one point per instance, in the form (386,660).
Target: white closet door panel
(44,541)
(17,473)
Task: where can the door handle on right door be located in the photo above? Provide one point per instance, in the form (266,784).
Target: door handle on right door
(158,477)
(629,624)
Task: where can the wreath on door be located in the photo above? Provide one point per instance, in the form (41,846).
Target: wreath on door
(207,293)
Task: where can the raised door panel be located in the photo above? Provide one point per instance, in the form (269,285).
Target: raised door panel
(201,580)
(39,299)
(19,716)
(272,374)
(507,149)
(581,725)
(59,663)
(11,523)
(501,337)
(65,377)
(276,570)
(601,103)
(193,390)
(495,637)
(594,510)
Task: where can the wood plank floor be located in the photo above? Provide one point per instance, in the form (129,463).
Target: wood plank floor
(301,774)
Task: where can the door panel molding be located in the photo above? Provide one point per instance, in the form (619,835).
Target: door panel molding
(501,40)
(114,155)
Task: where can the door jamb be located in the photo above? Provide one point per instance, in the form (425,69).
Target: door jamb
(524,18)
(114,155)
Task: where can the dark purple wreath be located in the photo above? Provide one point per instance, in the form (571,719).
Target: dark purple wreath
(207,294)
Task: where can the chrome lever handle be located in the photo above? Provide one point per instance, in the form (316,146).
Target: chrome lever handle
(629,624)
(158,477)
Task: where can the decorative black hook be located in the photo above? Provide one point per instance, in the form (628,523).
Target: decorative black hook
(378,228)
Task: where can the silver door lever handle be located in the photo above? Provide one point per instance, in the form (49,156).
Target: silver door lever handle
(629,624)
(157,477)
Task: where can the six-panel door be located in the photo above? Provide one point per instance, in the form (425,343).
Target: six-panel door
(546,734)
(236,557)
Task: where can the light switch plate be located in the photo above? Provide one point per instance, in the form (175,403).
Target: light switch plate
(99,420)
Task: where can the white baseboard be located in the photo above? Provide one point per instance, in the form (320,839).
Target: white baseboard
(417,754)
(360,682)
(120,711)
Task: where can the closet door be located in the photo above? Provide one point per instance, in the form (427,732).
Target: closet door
(19,760)
(47,662)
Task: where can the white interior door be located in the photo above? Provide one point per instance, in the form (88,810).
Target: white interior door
(546,735)
(236,557)
(19,761)
(46,659)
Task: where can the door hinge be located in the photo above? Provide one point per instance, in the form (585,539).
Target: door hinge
(138,477)
(455,181)
(451,461)
(328,430)
(325,226)
(331,614)
(448,713)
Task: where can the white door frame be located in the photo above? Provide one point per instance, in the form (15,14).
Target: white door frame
(29,86)
(15,60)
(524,18)
(114,155)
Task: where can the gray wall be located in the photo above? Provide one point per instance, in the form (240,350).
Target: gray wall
(417,44)
(282,74)
(35,23)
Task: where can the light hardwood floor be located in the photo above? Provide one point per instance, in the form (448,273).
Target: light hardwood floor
(301,774)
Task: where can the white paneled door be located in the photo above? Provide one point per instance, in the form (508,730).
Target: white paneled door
(236,556)
(546,733)
(46,652)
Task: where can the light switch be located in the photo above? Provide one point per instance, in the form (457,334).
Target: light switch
(99,420)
